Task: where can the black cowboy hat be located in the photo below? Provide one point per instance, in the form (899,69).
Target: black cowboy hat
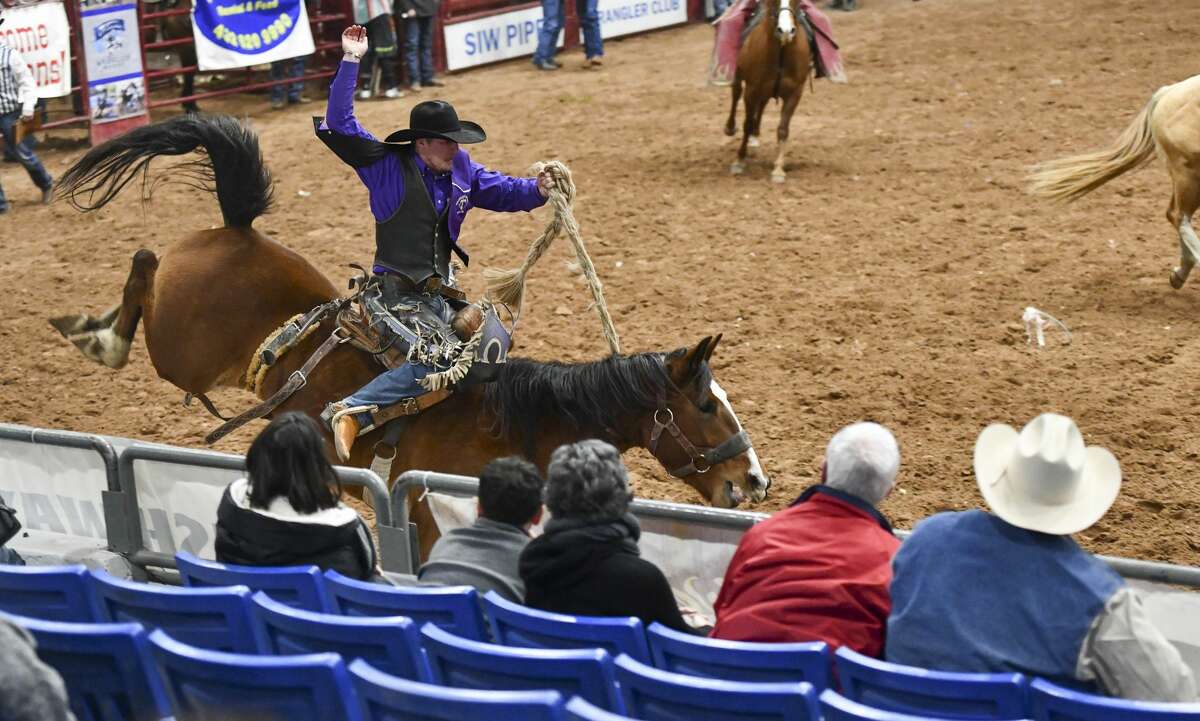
(437,119)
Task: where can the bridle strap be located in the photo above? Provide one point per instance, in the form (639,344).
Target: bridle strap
(702,459)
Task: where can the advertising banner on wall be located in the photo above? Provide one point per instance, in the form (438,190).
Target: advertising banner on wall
(493,38)
(113,53)
(240,33)
(623,17)
(42,35)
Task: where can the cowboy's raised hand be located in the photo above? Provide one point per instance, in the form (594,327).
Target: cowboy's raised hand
(354,42)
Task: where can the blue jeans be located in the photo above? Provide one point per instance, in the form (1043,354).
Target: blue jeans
(589,22)
(419,49)
(25,156)
(552,23)
(403,381)
(278,69)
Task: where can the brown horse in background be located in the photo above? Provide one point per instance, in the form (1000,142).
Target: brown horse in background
(210,300)
(773,64)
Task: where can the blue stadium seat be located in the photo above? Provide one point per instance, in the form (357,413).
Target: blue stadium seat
(387,698)
(464,663)
(739,660)
(580,710)
(515,625)
(922,692)
(1049,702)
(296,586)
(53,593)
(652,694)
(453,608)
(835,707)
(213,618)
(203,684)
(106,667)
(391,645)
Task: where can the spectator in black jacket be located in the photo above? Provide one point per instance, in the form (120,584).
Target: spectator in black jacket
(418,18)
(587,563)
(286,511)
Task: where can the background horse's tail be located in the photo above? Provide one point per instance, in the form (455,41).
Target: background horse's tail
(232,168)
(1074,177)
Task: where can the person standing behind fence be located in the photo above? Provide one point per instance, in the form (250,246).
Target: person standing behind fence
(376,17)
(418,51)
(552,24)
(18,96)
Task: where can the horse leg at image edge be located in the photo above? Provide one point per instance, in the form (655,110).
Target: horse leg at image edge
(1184,203)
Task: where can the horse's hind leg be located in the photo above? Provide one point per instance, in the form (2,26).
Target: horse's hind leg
(107,339)
(785,120)
(754,127)
(1184,203)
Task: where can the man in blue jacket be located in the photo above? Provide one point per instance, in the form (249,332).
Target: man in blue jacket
(1011,591)
(421,185)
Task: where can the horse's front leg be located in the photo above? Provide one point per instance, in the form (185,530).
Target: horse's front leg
(731,124)
(785,120)
(739,166)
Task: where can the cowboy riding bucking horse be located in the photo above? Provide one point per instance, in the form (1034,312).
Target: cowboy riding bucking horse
(421,185)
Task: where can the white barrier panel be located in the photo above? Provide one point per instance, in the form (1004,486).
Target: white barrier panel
(179,505)
(54,489)
(623,17)
(493,38)
(42,35)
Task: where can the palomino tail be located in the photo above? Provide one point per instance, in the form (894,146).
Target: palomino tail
(1074,177)
(232,168)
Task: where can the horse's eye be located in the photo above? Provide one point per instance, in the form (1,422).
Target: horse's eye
(708,408)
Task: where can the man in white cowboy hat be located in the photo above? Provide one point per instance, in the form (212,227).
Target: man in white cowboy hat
(1011,591)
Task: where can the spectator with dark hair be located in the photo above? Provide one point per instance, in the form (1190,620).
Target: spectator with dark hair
(1010,591)
(30,690)
(819,570)
(287,511)
(484,555)
(587,562)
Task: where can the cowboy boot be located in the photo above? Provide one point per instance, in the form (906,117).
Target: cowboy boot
(345,431)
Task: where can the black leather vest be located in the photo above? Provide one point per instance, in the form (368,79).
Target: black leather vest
(415,241)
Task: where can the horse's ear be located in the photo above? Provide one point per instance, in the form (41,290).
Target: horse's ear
(712,347)
(685,363)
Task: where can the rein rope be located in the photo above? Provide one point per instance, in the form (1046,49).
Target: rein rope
(508,286)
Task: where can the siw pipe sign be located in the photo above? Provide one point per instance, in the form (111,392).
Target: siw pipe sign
(515,34)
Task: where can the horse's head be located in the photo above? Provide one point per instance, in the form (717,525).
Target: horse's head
(696,436)
(783,12)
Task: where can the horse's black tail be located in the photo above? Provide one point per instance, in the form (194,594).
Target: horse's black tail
(233,168)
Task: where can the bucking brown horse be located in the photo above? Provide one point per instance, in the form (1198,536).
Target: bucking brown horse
(209,301)
(774,63)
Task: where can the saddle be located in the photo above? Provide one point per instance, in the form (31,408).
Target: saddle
(467,348)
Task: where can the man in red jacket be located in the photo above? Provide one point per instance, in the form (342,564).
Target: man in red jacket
(820,570)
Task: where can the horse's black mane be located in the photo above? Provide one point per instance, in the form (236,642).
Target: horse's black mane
(529,395)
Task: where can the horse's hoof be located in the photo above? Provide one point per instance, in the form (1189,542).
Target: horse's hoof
(736,169)
(730,130)
(1176,281)
(753,142)
(778,176)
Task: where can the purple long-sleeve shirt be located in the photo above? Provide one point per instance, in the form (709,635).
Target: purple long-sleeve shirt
(385,177)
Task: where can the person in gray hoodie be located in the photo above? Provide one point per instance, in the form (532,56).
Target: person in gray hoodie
(484,555)
(30,690)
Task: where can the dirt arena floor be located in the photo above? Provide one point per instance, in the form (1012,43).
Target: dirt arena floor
(885,280)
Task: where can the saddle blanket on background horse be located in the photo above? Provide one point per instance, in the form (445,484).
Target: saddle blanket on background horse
(827,61)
